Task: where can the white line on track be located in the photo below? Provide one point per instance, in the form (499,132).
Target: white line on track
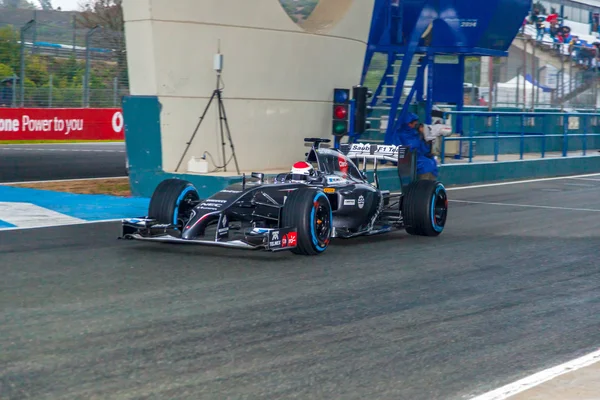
(587,179)
(557,178)
(537,379)
(523,205)
(21,228)
(63,180)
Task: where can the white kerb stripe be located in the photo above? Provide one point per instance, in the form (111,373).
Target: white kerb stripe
(24,215)
(537,379)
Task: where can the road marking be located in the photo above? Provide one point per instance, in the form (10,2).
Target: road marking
(522,182)
(81,222)
(587,179)
(524,205)
(537,379)
(63,180)
(24,215)
(580,184)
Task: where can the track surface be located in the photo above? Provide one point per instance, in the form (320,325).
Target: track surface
(506,291)
(41,162)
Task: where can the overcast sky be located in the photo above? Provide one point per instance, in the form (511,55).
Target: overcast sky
(66,5)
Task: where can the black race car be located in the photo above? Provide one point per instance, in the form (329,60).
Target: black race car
(327,196)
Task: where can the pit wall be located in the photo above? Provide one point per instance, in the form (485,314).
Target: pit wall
(144,150)
(278,76)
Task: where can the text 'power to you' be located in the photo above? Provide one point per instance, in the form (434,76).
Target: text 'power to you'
(27,124)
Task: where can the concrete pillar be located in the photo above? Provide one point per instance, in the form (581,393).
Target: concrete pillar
(278,76)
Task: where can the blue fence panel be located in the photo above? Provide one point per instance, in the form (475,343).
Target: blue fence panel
(497,132)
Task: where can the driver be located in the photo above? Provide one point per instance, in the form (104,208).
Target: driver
(302,172)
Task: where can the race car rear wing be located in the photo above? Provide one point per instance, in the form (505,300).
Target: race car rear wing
(403,155)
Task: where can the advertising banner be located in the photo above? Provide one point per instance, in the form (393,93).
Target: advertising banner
(61,124)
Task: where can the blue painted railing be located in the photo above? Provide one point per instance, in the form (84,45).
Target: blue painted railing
(498,134)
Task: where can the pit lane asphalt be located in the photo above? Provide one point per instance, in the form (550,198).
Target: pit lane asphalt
(505,292)
(42,162)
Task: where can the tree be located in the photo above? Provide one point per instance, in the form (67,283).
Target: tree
(9,47)
(105,13)
(46,5)
(108,15)
(15,4)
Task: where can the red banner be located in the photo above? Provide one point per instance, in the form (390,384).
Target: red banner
(61,124)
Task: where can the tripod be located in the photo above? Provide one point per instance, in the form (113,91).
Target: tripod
(222,120)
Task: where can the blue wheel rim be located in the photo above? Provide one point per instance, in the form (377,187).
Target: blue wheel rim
(188,192)
(320,222)
(439,208)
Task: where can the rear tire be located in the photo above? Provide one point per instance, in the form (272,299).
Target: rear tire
(309,211)
(425,208)
(169,202)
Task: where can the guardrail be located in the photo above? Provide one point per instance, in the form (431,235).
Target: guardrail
(498,135)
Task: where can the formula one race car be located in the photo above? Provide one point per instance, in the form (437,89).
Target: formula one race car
(324,197)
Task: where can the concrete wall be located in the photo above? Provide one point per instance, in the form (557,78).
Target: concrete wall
(278,76)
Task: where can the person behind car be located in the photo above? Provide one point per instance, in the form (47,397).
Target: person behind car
(408,135)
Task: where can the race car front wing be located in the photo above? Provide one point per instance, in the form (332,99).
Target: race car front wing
(270,239)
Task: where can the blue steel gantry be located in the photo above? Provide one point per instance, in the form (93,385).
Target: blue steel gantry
(412,32)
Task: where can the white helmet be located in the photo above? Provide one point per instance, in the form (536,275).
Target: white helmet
(301,171)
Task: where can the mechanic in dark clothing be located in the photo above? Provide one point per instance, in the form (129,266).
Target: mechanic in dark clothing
(411,134)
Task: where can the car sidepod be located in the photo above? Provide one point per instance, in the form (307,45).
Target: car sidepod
(355,207)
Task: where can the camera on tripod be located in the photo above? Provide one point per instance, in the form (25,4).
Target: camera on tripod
(223,123)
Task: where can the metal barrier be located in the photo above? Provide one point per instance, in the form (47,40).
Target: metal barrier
(499,136)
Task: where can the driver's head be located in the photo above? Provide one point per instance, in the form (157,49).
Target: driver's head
(302,171)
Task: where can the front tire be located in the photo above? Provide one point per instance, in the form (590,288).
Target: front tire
(309,211)
(425,208)
(172,202)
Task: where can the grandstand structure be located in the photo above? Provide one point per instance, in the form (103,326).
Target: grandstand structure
(538,71)
(561,42)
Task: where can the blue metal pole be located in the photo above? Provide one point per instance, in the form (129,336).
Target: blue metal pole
(461,99)
(471,139)
(384,81)
(497,140)
(443,150)
(352,109)
(407,57)
(565,132)
(522,144)
(429,104)
(584,144)
(543,136)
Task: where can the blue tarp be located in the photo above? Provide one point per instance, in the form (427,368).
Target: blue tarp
(544,88)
